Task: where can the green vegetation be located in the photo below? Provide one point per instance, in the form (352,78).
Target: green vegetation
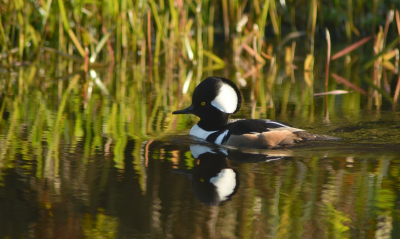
(122,66)
(257,36)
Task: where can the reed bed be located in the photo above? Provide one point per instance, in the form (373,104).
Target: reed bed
(179,34)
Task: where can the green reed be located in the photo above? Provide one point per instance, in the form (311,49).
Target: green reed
(133,22)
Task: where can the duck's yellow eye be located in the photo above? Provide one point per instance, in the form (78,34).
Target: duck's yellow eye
(202,180)
(203,103)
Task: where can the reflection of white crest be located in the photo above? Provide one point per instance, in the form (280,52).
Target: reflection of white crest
(225,183)
(226,100)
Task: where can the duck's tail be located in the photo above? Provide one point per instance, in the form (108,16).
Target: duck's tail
(307,136)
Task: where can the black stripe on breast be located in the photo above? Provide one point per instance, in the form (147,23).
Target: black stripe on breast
(213,137)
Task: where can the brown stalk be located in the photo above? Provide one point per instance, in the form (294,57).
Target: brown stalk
(291,63)
(252,71)
(398,21)
(266,56)
(226,19)
(252,52)
(389,19)
(397,90)
(328,57)
(244,42)
(351,48)
(345,82)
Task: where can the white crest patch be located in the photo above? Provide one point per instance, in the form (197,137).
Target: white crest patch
(200,133)
(225,182)
(226,100)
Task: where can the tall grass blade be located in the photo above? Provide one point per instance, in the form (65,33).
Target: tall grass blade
(156,16)
(150,63)
(69,30)
(226,19)
(214,58)
(185,86)
(263,19)
(189,50)
(312,21)
(349,23)
(199,42)
(328,57)
(101,44)
(328,60)
(274,17)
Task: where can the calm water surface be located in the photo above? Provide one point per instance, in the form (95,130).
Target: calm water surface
(71,168)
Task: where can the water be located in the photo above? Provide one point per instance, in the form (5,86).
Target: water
(74,165)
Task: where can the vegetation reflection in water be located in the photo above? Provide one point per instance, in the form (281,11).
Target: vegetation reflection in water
(306,196)
(90,166)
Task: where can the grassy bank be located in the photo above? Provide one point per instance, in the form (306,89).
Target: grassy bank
(258,36)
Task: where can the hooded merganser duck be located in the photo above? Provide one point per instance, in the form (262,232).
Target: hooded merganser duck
(215,98)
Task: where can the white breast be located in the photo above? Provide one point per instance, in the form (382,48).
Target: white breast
(200,133)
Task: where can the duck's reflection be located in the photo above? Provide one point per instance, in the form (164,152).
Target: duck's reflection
(213,181)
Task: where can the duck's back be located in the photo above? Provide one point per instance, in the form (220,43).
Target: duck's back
(255,133)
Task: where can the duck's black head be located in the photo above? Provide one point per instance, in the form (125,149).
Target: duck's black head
(214,99)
